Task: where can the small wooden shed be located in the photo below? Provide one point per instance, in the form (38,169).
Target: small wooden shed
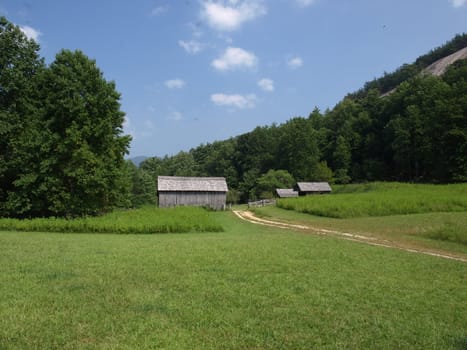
(306,188)
(192,191)
(286,192)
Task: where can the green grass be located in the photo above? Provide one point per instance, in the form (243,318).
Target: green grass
(381,199)
(392,199)
(249,287)
(144,220)
(413,231)
(451,232)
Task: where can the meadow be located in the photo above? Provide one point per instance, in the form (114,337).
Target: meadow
(389,201)
(240,286)
(149,219)
(247,287)
(381,199)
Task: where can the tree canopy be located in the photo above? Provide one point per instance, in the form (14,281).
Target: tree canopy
(62,140)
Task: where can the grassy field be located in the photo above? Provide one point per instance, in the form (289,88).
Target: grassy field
(249,287)
(381,199)
(148,219)
(389,204)
(426,231)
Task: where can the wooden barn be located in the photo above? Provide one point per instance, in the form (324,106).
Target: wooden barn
(306,188)
(286,192)
(192,191)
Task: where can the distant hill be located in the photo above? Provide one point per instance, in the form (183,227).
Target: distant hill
(439,67)
(138,160)
(436,61)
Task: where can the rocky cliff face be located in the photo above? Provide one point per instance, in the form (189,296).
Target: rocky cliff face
(439,67)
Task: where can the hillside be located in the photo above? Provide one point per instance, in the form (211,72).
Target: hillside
(389,81)
(418,133)
(440,66)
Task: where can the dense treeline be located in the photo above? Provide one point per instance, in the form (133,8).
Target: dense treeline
(418,133)
(61,143)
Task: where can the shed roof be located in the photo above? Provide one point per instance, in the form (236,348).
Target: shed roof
(286,192)
(191,184)
(314,187)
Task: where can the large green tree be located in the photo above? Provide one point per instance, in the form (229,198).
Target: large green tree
(85,145)
(20,66)
(62,140)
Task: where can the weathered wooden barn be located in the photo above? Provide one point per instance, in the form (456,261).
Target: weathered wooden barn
(306,188)
(286,192)
(192,191)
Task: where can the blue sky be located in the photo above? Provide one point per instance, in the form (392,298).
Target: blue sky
(196,71)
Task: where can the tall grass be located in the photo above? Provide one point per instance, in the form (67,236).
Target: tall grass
(449,231)
(143,220)
(381,199)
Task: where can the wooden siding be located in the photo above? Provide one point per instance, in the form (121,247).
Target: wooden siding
(208,192)
(213,200)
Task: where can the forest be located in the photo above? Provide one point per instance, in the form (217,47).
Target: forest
(62,144)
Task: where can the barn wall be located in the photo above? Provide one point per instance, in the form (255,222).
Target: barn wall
(214,200)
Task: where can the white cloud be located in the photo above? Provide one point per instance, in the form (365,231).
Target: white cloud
(230,15)
(31,33)
(159,10)
(266,84)
(127,127)
(191,46)
(148,124)
(458,3)
(295,62)
(305,3)
(237,101)
(175,83)
(175,115)
(235,58)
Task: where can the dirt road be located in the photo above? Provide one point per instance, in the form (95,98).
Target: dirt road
(250,217)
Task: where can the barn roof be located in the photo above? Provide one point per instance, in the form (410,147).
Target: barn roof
(191,184)
(286,192)
(313,187)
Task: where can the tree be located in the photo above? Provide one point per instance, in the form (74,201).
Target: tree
(341,158)
(423,118)
(298,150)
(19,121)
(143,186)
(78,168)
(267,183)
